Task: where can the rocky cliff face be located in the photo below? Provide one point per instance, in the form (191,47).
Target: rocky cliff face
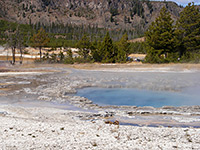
(112,14)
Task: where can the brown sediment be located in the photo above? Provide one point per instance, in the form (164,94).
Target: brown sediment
(2,94)
(135,65)
(5,89)
(13,85)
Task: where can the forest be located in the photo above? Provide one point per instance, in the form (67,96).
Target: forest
(174,42)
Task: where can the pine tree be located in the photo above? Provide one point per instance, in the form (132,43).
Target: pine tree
(69,58)
(40,40)
(159,37)
(106,51)
(123,49)
(188,30)
(95,51)
(84,47)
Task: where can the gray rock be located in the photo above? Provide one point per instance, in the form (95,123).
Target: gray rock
(46,98)
(3,113)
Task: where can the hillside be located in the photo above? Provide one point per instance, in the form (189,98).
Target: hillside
(111,14)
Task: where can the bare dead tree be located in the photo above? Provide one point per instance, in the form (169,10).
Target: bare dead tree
(12,44)
(15,41)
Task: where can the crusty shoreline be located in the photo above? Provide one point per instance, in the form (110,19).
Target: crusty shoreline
(50,128)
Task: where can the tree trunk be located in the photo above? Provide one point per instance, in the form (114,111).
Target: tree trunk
(40,53)
(13,55)
(21,58)
(165,54)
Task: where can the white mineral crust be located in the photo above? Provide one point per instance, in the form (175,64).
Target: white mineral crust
(50,128)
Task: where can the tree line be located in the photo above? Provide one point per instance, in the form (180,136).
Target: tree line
(105,51)
(90,49)
(62,34)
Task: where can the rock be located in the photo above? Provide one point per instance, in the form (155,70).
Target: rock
(46,98)
(130,113)
(110,122)
(3,113)
(116,122)
(97,115)
(146,108)
(109,114)
(169,107)
(69,91)
(144,112)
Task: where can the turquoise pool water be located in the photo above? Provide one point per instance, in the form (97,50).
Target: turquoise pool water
(135,97)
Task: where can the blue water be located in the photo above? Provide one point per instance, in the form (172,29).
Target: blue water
(135,97)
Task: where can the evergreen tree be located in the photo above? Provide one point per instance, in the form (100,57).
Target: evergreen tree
(84,47)
(188,30)
(69,53)
(123,49)
(69,58)
(106,51)
(95,51)
(40,40)
(159,38)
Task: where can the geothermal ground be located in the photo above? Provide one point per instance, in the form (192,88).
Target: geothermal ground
(39,108)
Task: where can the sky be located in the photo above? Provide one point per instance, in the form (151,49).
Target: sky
(185,2)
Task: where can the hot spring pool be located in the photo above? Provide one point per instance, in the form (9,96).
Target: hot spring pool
(135,97)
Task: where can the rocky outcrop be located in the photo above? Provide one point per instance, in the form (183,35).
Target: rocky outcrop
(102,13)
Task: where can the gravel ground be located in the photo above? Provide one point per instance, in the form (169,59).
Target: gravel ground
(49,128)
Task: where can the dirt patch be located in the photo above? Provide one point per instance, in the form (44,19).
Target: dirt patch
(10,84)
(137,65)
(9,58)
(14,86)
(4,70)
